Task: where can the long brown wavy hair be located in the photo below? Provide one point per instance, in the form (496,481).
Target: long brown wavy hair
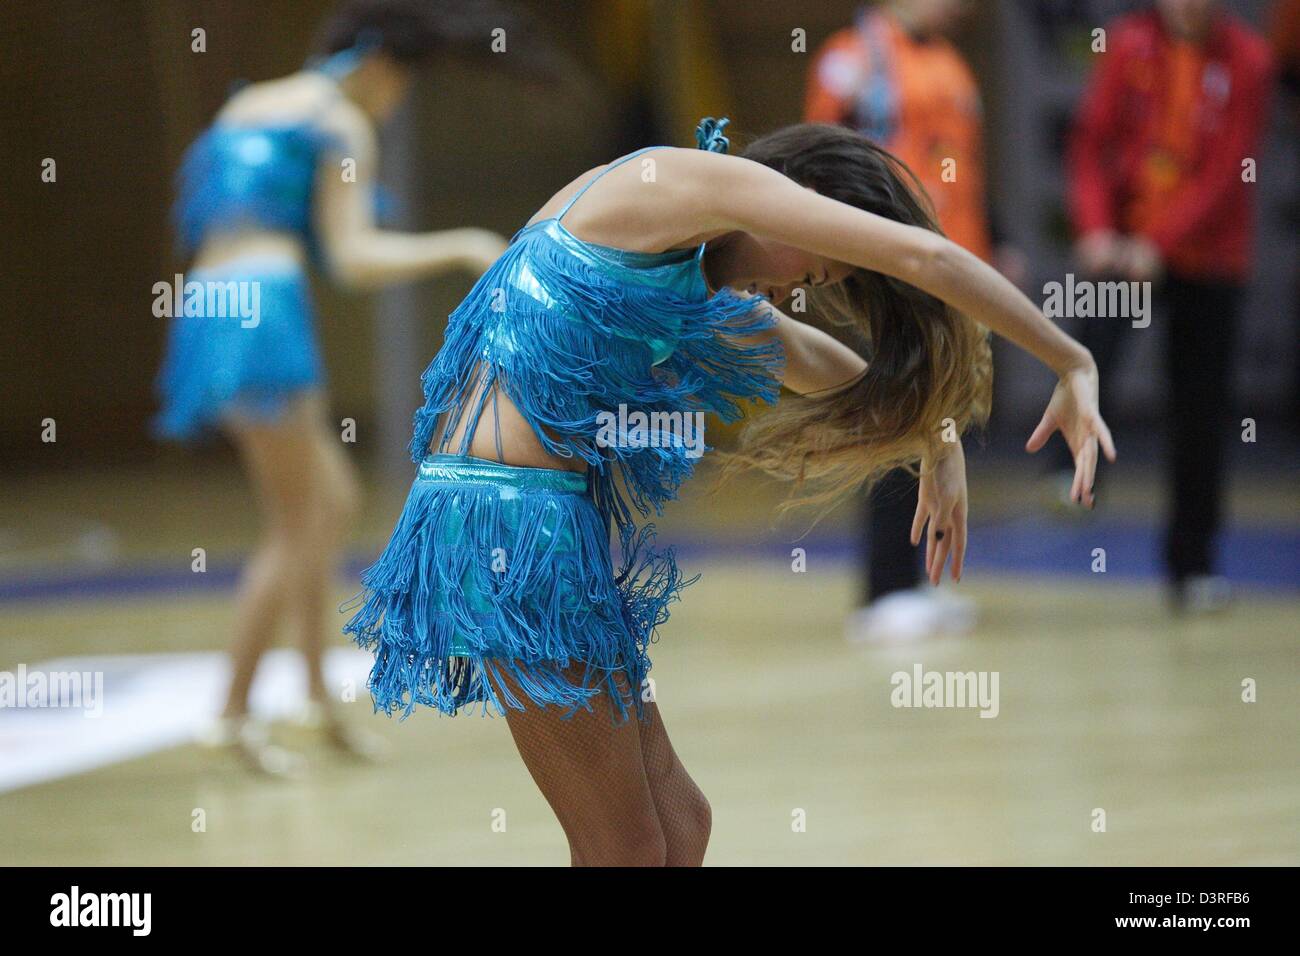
(927,363)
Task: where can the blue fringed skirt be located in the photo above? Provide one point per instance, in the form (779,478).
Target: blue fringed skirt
(498,581)
(242,342)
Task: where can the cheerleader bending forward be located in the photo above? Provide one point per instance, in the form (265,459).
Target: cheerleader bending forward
(652,284)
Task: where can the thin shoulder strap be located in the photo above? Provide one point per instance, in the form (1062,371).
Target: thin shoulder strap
(591,182)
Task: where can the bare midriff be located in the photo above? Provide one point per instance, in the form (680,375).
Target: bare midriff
(220,248)
(518,443)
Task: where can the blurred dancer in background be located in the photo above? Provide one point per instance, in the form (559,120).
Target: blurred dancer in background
(893,77)
(284,177)
(1160,192)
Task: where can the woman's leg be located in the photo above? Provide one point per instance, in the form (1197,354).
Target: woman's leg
(334,497)
(275,456)
(684,814)
(590,771)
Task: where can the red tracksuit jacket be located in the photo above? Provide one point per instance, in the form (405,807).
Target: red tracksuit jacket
(1200,215)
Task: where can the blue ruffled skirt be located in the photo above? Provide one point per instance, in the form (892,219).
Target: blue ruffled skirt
(242,341)
(498,580)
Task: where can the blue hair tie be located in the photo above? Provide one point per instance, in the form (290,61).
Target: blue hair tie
(708,135)
(344,62)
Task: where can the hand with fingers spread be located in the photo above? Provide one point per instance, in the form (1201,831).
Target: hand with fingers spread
(941,504)
(1073,411)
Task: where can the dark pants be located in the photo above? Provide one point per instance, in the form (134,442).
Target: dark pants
(1201,334)
(1197,321)
(892,563)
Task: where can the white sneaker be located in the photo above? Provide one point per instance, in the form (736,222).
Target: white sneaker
(898,618)
(959,613)
(913,615)
(1201,594)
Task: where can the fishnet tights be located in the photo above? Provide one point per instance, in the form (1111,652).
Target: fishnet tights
(618,790)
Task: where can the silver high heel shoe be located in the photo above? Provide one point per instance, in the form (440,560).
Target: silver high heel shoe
(250,740)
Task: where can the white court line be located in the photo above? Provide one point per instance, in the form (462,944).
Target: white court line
(150,702)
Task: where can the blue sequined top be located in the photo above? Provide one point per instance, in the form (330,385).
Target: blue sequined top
(261,175)
(238,176)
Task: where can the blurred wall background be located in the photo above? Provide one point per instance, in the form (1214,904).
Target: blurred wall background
(113,93)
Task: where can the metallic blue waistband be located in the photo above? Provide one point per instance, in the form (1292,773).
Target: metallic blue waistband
(463,468)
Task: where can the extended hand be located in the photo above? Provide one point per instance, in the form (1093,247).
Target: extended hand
(941,503)
(1073,411)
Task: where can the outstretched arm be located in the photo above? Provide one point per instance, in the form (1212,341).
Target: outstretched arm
(816,363)
(357,251)
(734,193)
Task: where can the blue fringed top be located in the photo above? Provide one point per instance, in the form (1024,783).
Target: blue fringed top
(679,273)
(573,332)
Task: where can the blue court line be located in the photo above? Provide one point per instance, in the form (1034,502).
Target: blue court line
(1035,547)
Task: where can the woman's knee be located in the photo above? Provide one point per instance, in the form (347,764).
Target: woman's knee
(334,511)
(687,821)
(690,835)
(345,500)
(701,814)
(339,491)
(291,530)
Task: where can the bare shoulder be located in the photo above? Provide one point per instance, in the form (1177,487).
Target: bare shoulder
(287,99)
(709,181)
(690,171)
(648,202)
(304,97)
(551,208)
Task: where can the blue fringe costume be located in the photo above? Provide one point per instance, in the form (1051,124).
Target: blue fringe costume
(236,177)
(495,570)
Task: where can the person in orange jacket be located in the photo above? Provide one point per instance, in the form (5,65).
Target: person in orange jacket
(894,77)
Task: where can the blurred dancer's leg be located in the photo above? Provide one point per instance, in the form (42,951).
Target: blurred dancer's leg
(336,495)
(277,456)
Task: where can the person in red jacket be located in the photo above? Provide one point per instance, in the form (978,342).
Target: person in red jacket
(1161,183)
